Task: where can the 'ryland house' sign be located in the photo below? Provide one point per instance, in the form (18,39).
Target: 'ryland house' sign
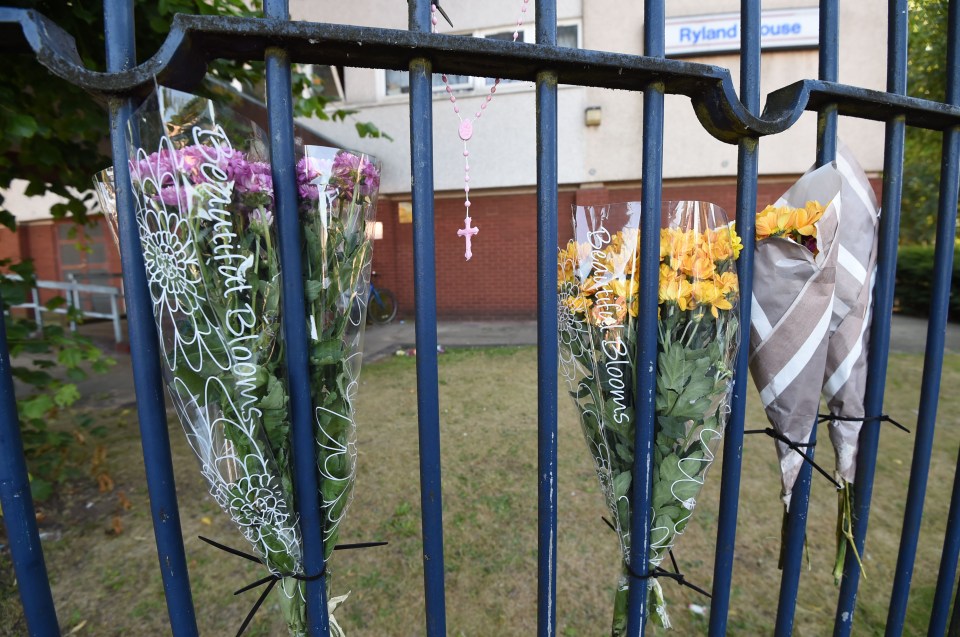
(720,32)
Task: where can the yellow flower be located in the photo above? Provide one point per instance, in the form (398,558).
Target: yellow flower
(674,288)
(567,263)
(625,287)
(698,265)
(735,243)
(607,311)
(627,293)
(728,283)
(793,223)
(707,293)
(681,245)
(666,243)
(725,243)
(804,218)
(773,222)
(578,304)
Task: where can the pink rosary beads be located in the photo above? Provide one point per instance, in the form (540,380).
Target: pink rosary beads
(465,130)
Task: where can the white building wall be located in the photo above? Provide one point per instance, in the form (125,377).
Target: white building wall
(503,146)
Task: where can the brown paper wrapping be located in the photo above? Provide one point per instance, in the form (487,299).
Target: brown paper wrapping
(792,310)
(845,375)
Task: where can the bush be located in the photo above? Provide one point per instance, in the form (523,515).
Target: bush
(915,280)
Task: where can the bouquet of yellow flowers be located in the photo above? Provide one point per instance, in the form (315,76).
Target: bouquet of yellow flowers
(699,335)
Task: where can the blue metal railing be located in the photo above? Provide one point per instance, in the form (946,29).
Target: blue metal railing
(882,308)
(547,365)
(725,115)
(748,151)
(144,347)
(794,539)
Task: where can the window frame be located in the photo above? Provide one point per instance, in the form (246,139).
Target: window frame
(476,84)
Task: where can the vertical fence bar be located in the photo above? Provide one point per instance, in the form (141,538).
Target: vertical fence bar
(646,357)
(796,521)
(948,564)
(947,215)
(955,619)
(425,298)
(17,503)
(306,484)
(829,65)
(747,170)
(793,540)
(883,306)
(547,237)
(144,348)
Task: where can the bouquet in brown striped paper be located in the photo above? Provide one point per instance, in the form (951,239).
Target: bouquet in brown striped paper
(815,266)
(845,375)
(792,310)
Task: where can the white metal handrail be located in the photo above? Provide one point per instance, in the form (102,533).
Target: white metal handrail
(71,291)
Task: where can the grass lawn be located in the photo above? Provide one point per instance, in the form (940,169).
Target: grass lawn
(107,583)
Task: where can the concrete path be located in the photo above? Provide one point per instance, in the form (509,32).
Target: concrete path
(908,335)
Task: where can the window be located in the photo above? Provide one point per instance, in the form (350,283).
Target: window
(398,82)
(508,36)
(325,80)
(568,36)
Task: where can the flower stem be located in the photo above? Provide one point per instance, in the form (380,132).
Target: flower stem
(292,594)
(845,532)
(620,605)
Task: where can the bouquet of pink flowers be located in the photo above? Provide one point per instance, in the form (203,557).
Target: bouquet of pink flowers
(205,213)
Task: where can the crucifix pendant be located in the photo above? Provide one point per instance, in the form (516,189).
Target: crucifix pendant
(467,233)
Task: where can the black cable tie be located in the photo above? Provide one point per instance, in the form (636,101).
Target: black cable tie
(358,545)
(436,3)
(609,523)
(673,560)
(679,578)
(660,572)
(881,418)
(256,606)
(797,447)
(272,579)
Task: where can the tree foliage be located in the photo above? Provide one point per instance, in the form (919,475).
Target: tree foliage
(927,78)
(54,135)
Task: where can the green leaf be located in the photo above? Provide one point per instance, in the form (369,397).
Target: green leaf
(66,395)
(326,352)
(672,369)
(670,469)
(70,357)
(8,220)
(276,398)
(40,489)
(36,406)
(312,290)
(21,126)
(368,129)
(621,484)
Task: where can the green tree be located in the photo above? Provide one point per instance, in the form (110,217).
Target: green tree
(927,78)
(54,135)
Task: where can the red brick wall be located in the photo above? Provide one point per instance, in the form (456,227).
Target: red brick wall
(500,280)
(9,245)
